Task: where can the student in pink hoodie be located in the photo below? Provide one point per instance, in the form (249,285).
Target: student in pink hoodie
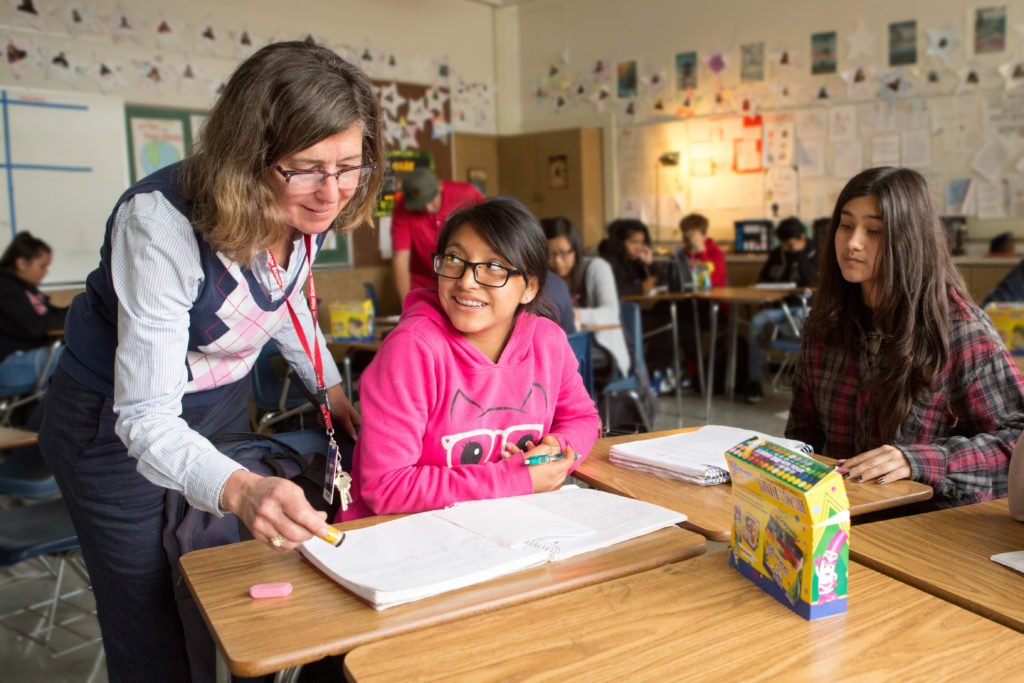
(474,379)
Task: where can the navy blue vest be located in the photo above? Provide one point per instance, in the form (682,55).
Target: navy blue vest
(91,326)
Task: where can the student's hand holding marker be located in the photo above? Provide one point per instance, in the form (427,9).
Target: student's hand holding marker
(275,510)
(885,463)
(546,475)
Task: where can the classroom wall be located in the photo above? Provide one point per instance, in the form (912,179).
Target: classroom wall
(559,43)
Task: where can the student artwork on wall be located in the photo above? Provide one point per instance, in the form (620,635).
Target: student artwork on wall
(686,71)
(627,79)
(558,172)
(158,137)
(752,62)
(823,53)
(902,43)
(989,25)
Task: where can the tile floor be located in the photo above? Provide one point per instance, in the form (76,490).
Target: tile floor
(24,663)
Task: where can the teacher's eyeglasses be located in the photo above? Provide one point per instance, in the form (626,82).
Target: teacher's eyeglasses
(348,178)
(488,274)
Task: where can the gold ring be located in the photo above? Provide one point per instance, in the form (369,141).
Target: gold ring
(277,541)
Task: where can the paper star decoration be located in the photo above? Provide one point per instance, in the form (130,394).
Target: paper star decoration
(631,108)
(858,81)
(599,98)
(565,56)
(970,79)
(747,104)
(28,13)
(559,102)
(538,92)
(861,42)
(823,94)
(390,100)
(785,94)
(168,35)
(784,57)
(716,62)
(61,65)
(601,69)
(1013,73)
(245,42)
(206,37)
(418,69)
(107,73)
(655,82)
(125,26)
(153,74)
(942,43)
(190,78)
(418,112)
(893,84)
(440,129)
(685,100)
(78,18)
(20,54)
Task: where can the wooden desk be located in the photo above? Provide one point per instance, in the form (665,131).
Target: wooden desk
(709,508)
(1019,360)
(702,620)
(946,554)
(256,637)
(15,438)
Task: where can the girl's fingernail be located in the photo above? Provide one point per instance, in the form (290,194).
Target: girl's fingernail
(881,480)
(860,478)
(846,475)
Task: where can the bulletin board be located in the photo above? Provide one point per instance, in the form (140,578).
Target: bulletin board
(158,137)
(364,242)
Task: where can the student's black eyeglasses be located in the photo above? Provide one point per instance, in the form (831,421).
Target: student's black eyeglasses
(491,274)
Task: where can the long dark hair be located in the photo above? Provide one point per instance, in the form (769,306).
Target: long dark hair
(512,231)
(26,246)
(560,226)
(917,286)
(620,230)
(283,99)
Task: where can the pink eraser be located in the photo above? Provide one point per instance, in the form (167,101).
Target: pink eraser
(270,590)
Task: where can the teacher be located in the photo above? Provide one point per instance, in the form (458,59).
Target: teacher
(203,263)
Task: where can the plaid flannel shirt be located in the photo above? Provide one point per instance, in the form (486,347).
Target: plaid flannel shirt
(958,438)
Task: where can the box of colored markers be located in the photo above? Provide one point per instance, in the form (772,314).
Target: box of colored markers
(791,525)
(352,320)
(1008,319)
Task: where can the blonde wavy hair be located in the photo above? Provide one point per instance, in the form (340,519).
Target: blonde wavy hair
(285,98)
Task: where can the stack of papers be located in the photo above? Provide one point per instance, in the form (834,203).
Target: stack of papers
(697,457)
(425,554)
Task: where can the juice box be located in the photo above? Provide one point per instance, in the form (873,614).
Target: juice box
(352,320)
(791,527)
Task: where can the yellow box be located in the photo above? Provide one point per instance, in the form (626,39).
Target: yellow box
(791,527)
(1008,319)
(352,320)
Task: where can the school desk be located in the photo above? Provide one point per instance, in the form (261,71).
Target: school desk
(946,553)
(1019,360)
(741,295)
(709,508)
(702,620)
(256,637)
(11,437)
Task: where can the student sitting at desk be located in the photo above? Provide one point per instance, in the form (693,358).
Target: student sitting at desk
(700,251)
(474,378)
(592,285)
(793,261)
(901,374)
(25,313)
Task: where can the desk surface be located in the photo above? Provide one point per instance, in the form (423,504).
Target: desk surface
(946,553)
(751,295)
(318,619)
(15,438)
(709,508)
(702,620)
(1019,360)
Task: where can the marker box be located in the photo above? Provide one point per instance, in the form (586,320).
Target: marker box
(791,526)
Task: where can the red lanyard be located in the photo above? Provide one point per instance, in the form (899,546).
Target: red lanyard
(314,356)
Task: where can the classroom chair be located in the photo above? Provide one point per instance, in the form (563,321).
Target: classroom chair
(274,391)
(23,474)
(582,344)
(630,385)
(788,347)
(43,534)
(13,397)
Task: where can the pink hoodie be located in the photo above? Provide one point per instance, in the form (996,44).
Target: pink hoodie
(437,412)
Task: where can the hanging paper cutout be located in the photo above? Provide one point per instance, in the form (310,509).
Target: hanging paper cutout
(942,43)
(29,13)
(79,19)
(125,26)
(860,42)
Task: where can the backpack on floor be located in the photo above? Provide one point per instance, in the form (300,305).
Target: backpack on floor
(187,528)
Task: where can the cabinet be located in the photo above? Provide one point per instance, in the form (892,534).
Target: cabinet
(557,173)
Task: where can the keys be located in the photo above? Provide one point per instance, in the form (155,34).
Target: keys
(343,482)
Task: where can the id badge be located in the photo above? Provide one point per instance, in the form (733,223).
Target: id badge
(331,473)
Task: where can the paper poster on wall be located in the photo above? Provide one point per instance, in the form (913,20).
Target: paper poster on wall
(916,148)
(991,200)
(847,158)
(778,139)
(810,156)
(823,53)
(885,149)
(956,196)
(842,123)
(156,143)
(627,79)
(991,158)
(747,147)
(781,192)
(989,25)
(686,71)
(752,62)
(811,124)
(902,43)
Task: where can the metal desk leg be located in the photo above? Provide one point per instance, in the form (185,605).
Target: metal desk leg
(347,365)
(675,361)
(223,674)
(709,388)
(700,351)
(730,374)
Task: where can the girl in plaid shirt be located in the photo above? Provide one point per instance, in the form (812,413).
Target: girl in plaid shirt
(901,374)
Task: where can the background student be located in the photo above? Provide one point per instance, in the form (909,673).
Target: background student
(901,375)
(416,222)
(197,264)
(473,374)
(592,285)
(700,251)
(792,261)
(25,313)
(1010,288)
(628,250)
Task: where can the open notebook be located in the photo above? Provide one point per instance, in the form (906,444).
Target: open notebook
(429,553)
(697,457)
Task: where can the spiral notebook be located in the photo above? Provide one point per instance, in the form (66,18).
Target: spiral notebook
(429,553)
(696,457)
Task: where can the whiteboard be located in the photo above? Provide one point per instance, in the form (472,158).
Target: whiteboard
(63,164)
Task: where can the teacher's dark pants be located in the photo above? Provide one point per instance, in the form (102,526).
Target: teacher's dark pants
(118,516)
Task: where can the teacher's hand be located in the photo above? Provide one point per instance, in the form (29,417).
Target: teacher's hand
(275,510)
(342,410)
